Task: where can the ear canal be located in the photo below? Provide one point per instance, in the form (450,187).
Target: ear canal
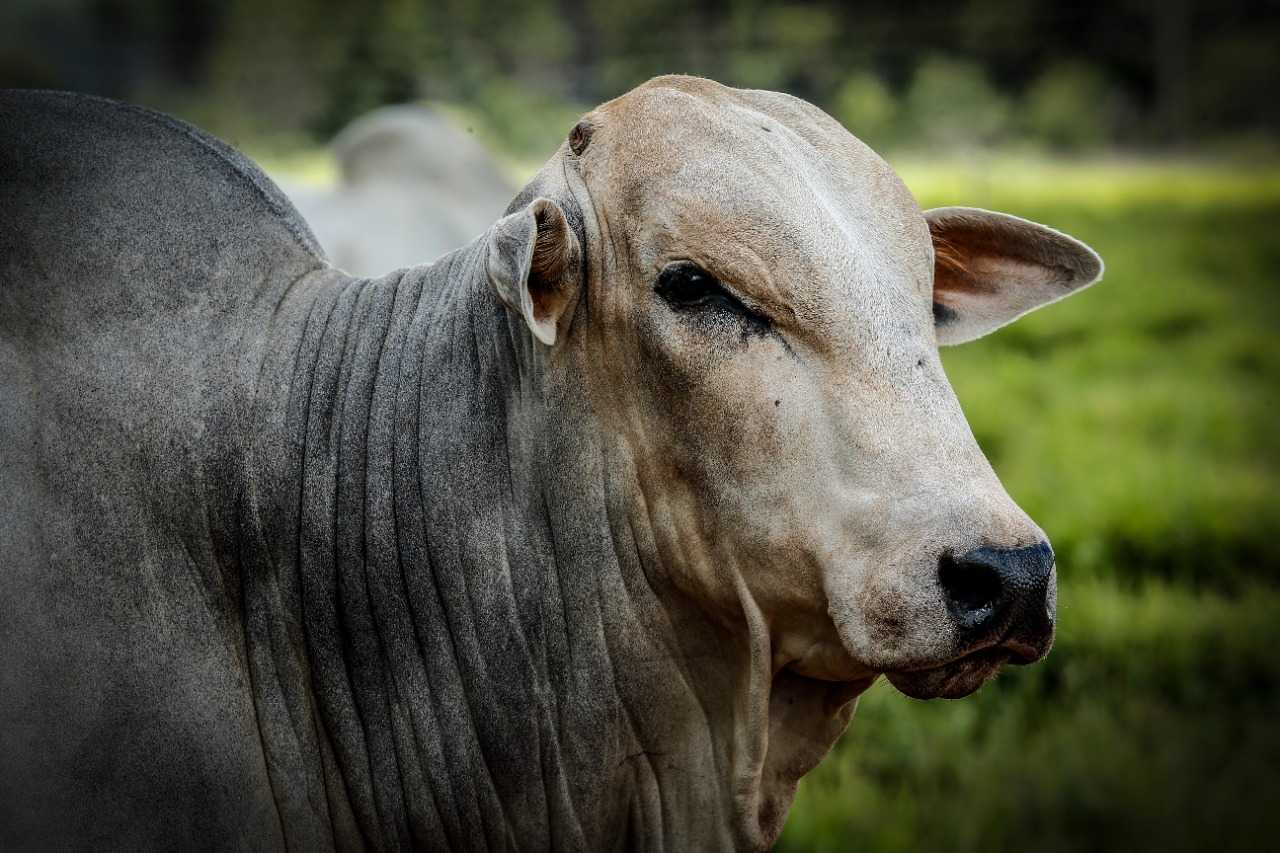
(555,256)
(533,263)
(549,287)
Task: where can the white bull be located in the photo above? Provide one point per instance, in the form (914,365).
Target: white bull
(293,560)
(412,186)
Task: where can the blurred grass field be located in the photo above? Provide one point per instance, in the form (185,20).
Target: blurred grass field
(1136,422)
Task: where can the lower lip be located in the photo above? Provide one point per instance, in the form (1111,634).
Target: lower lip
(953,680)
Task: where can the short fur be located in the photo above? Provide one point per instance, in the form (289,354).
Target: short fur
(295,561)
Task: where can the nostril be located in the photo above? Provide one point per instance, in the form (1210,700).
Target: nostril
(973,590)
(1005,595)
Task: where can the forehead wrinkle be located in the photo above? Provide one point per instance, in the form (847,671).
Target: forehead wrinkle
(792,244)
(828,226)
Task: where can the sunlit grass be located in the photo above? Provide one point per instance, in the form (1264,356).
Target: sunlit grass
(1100,185)
(310,165)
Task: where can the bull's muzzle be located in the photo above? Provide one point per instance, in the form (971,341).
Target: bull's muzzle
(1002,597)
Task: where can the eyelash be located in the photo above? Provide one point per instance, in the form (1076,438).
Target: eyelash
(687,287)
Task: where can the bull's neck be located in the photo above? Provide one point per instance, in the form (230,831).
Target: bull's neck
(452,639)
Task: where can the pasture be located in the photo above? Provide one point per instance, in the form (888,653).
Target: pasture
(1136,422)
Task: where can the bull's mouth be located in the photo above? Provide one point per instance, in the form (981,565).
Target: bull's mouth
(955,679)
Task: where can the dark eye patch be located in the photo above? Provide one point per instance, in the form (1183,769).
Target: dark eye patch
(688,288)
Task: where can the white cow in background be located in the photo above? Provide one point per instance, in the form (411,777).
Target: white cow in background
(412,186)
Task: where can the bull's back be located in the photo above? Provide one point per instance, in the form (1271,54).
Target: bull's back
(139,259)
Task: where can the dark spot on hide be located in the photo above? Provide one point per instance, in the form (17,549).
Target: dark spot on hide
(777,403)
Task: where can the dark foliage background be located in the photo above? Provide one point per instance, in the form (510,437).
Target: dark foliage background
(1070,75)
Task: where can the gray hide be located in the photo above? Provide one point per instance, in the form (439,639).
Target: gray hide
(412,187)
(278,571)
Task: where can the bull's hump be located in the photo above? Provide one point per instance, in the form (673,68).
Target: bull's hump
(80,129)
(94,190)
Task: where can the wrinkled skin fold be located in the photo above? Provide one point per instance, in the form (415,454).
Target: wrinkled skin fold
(585,537)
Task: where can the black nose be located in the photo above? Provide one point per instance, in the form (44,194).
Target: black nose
(1002,594)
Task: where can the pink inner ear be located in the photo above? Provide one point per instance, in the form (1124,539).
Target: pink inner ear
(981,251)
(1000,276)
(950,268)
(992,268)
(984,266)
(958,273)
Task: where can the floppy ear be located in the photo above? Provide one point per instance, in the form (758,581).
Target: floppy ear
(534,263)
(991,268)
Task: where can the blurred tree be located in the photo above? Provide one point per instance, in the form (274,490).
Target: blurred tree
(1065,108)
(1171,71)
(868,109)
(951,105)
(1236,74)
(1171,60)
(267,71)
(389,50)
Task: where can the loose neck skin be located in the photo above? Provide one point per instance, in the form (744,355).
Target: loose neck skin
(456,624)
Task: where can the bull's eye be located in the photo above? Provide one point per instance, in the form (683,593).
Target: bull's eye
(685,286)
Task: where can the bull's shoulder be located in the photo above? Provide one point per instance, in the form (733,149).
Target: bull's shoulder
(119,204)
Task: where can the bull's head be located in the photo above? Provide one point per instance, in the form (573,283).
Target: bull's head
(755,302)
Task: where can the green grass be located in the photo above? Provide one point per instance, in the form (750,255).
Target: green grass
(1152,725)
(1136,423)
